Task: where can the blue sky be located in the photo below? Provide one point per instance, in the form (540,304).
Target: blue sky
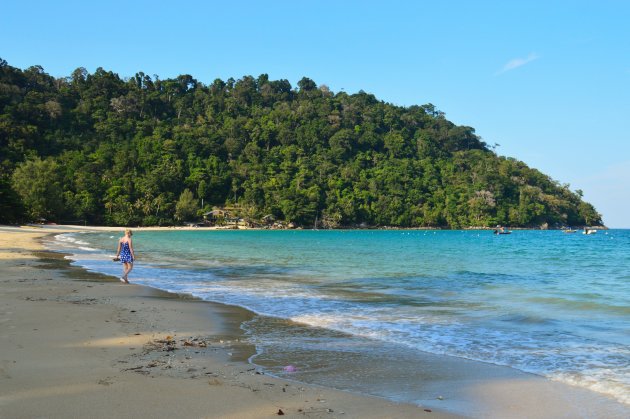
(549,81)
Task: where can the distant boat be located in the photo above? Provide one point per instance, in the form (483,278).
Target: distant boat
(589,231)
(569,230)
(501,230)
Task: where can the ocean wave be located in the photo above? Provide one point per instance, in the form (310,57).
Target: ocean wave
(522,318)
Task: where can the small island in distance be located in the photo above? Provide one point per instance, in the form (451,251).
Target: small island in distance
(99,149)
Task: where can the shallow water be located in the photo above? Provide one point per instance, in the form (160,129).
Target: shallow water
(544,302)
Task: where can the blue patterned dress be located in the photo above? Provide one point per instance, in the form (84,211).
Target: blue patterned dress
(125,253)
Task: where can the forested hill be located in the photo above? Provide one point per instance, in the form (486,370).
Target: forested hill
(102,149)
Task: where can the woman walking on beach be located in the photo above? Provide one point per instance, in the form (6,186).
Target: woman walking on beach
(125,253)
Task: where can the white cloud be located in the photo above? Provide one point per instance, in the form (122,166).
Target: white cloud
(518,62)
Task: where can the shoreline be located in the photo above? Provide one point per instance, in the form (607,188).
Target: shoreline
(504,393)
(77,344)
(71,228)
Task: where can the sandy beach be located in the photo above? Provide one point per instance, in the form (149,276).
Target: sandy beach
(74,344)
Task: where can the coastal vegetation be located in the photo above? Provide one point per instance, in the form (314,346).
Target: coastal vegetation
(106,150)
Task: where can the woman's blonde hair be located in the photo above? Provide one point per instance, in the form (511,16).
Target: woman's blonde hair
(128,232)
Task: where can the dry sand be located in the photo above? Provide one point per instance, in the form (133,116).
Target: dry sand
(76,345)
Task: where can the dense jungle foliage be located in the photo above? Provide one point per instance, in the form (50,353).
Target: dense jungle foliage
(100,149)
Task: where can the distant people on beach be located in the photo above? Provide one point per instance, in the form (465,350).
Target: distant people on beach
(125,254)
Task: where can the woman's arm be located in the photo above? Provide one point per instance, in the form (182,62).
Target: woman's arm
(118,250)
(131,248)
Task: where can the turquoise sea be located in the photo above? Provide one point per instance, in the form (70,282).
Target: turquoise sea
(543,302)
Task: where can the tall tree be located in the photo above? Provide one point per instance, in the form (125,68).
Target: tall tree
(186,207)
(38,182)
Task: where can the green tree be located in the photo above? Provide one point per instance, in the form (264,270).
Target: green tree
(11,208)
(38,182)
(186,207)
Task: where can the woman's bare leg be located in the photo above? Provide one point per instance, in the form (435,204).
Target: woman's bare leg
(130,267)
(127,267)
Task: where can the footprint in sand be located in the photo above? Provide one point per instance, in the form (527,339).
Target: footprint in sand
(4,369)
(106,381)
